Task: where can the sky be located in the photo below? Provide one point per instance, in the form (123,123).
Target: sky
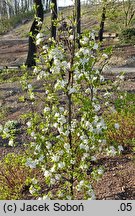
(62,3)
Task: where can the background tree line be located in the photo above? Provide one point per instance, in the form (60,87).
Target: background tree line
(9,8)
(108,10)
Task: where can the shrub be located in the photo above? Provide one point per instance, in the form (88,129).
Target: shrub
(121,130)
(13,174)
(128,36)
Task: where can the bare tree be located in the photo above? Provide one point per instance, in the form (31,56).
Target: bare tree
(129,11)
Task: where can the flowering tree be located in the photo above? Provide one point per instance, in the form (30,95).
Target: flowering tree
(66,140)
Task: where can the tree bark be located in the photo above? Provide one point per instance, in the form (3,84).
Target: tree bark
(53,19)
(34,31)
(101,31)
(78,18)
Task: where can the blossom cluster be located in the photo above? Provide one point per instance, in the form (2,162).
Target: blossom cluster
(8,131)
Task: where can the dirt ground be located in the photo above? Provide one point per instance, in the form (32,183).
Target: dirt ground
(118,182)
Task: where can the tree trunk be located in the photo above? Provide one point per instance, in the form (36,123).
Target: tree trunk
(101,31)
(53,19)
(16,8)
(4,9)
(78,18)
(34,31)
(47,4)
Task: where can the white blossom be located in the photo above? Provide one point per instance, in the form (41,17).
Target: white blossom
(62,119)
(92,36)
(29,124)
(68,197)
(6,131)
(107,94)
(48,145)
(121,77)
(37,148)
(102,79)
(88,90)
(32,95)
(55,125)
(1,128)
(11,142)
(39,23)
(71,37)
(106,103)
(56,115)
(57,177)
(85,147)
(46,197)
(112,151)
(82,146)
(33,134)
(82,137)
(32,190)
(40,198)
(100,171)
(105,56)
(61,165)
(93,158)
(60,84)
(35,71)
(61,152)
(91,194)
(117,126)
(85,40)
(46,109)
(38,41)
(61,195)
(47,173)
(41,158)
(55,158)
(30,163)
(39,35)
(120,148)
(67,146)
(72,161)
(84,166)
(112,109)
(81,183)
(53,169)
(29,86)
(61,109)
(52,181)
(95,47)
(71,91)
(96,107)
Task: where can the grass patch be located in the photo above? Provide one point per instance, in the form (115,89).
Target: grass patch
(125,103)
(8,24)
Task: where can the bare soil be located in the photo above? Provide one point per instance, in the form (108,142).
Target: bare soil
(118,182)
